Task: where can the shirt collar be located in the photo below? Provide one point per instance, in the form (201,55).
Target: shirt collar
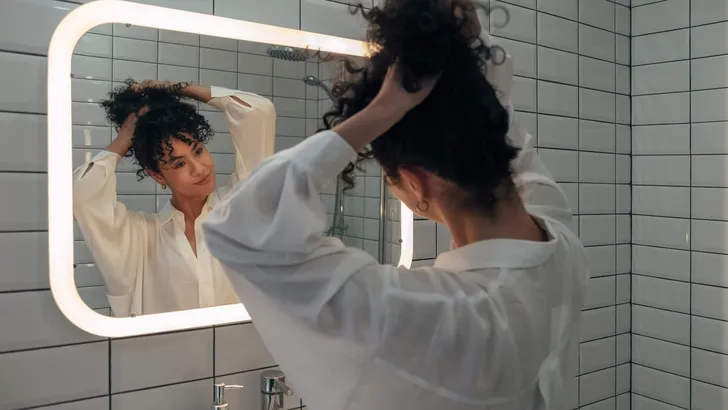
(499,253)
(169,211)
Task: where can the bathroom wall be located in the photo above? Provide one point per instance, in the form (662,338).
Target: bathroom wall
(572,93)
(680,109)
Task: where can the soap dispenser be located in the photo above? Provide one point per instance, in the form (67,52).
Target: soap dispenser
(219,395)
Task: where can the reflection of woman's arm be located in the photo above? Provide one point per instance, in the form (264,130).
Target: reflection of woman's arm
(115,236)
(252,123)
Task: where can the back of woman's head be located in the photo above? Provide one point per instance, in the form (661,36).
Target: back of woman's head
(164,114)
(459,132)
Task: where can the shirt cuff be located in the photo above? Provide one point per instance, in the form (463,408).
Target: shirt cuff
(322,156)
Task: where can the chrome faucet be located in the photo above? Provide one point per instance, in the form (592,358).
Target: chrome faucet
(273,388)
(219,395)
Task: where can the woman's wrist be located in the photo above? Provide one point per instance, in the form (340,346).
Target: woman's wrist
(371,122)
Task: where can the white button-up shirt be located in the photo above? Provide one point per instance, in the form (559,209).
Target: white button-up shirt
(145,259)
(492,325)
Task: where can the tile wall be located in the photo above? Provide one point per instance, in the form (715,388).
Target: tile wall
(680,330)
(572,93)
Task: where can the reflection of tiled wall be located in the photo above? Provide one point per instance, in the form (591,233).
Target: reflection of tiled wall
(680,320)
(112,53)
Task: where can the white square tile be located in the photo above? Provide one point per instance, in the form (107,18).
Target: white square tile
(596,136)
(135,50)
(664,232)
(660,385)
(600,292)
(149,361)
(596,386)
(624,319)
(709,236)
(710,171)
(23,83)
(709,105)
(26,209)
(661,78)
(25,260)
(597,74)
(707,73)
(521,26)
(597,105)
(624,258)
(218,59)
(597,13)
(135,70)
(596,43)
(624,289)
(709,301)
(138,32)
(661,170)
(97,45)
(709,138)
(708,11)
(623,21)
(562,8)
(709,367)
(624,348)
(425,234)
(16,34)
(624,378)
(661,324)
(661,47)
(661,109)
(558,33)
(177,54)
(624,199)
(66,373)
(708,269)
(601,260)
(563,165)
(558,99)
(558,66)
(704,40)
(709,334)
(523,55)
(597,229)
(623,50)
(597,199)
(558,132)
(661,201)
(709,203)
(623,79)
(91,68)
(660,262)
(662,139)
(225,79)
(596,167)
(178,73)
(644,403)
(194,395)
(661,355)
(597,323)
(29,153)
(706,396)
(597,355)
(660,16)
(524,94)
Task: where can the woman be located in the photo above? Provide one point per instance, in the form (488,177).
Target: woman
(153,263)
(494,323)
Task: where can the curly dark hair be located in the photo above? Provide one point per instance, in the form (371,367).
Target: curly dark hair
(168,116)
(459,131)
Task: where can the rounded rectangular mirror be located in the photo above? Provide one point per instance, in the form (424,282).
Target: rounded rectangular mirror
(123,261)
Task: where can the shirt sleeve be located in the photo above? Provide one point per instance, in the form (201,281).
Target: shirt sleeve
(267,234)
(115,236)
(540,193)
(252,128)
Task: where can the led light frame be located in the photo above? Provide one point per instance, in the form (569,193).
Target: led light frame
(60,165)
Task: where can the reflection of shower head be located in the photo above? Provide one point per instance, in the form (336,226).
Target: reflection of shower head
(315,82)
(286,53)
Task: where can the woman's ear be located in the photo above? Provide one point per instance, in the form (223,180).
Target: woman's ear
(156,176)
(416,180)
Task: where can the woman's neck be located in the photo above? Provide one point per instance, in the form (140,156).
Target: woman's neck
(191,208)
(511,221)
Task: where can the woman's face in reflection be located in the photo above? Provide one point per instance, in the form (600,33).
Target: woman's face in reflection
(188,170)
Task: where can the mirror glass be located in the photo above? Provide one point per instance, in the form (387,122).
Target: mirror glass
(137,244)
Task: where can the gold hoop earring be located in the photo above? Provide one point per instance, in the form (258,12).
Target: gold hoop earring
(423,206)
(164,187)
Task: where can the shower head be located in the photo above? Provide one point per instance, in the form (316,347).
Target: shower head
(315,82)
(286,53)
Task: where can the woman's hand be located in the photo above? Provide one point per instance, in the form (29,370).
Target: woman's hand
(151,84)
(393,96)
